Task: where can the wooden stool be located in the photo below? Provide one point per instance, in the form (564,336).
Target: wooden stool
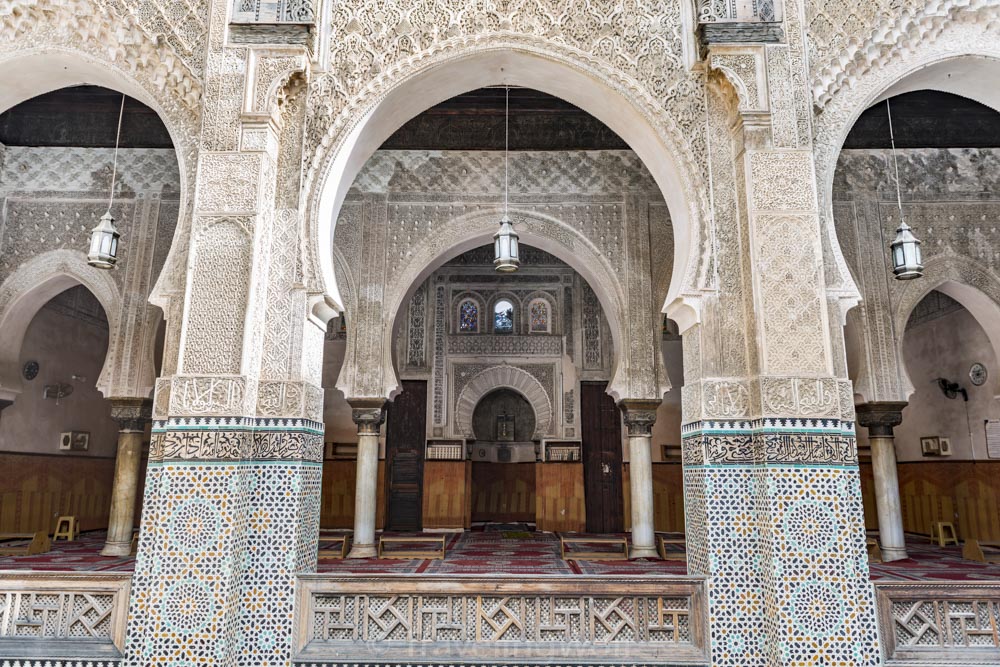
(984,552)
(874,551)
(67,528)
(944,532)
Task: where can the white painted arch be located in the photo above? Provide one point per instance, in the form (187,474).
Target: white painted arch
(514,64)
(29,288)
(503,376)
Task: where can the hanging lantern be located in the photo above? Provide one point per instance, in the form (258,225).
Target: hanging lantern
(104,243)
(506,254)
(104,237)
(907,262)
(906,259)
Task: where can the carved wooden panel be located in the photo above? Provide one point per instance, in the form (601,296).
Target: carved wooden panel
(387,618)
(924,624)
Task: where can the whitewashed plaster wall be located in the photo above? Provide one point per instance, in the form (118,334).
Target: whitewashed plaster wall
(65,340)
(946,347)
(52,197)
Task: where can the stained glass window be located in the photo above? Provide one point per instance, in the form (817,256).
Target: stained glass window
(539,313)
(468,317)
(503,317)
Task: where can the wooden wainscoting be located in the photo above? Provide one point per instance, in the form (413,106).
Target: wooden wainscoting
(668,497)
(503,491)
(967,493)
(35,489)
(560,497)
(337,507)
(447,494)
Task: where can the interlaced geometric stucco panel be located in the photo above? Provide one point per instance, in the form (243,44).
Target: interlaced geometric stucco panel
(477,383)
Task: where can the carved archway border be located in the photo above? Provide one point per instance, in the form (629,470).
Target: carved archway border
(30,287)
(503,376)
(953,42)
(326,146)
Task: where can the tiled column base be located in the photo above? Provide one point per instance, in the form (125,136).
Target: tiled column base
(775,518)
(230,515)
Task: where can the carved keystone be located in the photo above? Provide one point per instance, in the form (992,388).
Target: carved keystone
(880,418)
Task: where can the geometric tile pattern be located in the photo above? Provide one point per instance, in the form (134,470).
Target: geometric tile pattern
(774,516)
(222,540)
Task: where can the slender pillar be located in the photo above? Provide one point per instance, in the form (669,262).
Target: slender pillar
(368,415)
(132,415)
(880,419)
(639,417)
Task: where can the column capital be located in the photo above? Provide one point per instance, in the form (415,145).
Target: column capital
(880,417)
(132,414)
(639,416)
(368,414)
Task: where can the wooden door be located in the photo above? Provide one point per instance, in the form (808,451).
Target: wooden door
(405,436)
(602,459)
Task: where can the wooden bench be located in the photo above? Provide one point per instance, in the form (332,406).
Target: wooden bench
(594,555)
(39,544)
(332,541)
(436,552)
(982,551)
(874,550)
(661,547)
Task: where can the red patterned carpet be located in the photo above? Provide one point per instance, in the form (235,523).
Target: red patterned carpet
(480,552)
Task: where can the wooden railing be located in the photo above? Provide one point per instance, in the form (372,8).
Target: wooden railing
(939,623)
(500,619)
(63,615)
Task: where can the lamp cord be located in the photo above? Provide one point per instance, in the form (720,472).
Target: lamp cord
(114,163)
(506,149)
(895,162)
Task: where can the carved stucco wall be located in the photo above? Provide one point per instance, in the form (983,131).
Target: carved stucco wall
(413,209)
(52,197)
(950,200)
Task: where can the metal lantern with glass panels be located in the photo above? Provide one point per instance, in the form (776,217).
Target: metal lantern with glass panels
(506,254)
(104,237)
(104,243)
(906,260)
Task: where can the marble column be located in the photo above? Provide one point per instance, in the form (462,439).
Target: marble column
(368,415)
(132,415)
(880,419)
(639,417)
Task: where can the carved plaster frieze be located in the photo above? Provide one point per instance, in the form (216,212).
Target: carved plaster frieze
(212,395)
(283,398)
(805,397)
(746,68)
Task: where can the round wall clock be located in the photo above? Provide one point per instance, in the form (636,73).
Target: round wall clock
(30,370)
(978,374)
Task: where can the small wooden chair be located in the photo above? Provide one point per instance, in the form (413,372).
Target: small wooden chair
(983,552)
(944,532)
(874,550)
(66,528)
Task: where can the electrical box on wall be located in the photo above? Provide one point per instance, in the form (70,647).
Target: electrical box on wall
(935,446)
(76,441)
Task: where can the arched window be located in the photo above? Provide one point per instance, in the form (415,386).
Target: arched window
(503,317)
(539,316)
(468,317)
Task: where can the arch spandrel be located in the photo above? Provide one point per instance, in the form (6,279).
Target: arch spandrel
(652,102)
